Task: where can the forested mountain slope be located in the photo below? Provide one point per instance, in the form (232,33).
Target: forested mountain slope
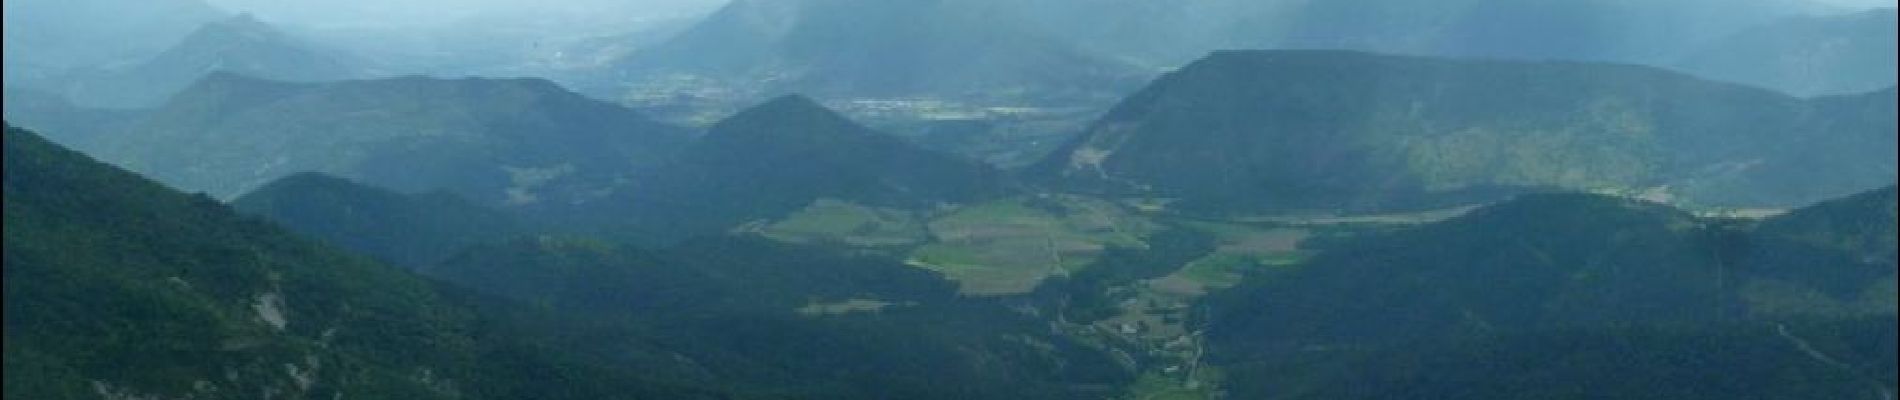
(1244,131)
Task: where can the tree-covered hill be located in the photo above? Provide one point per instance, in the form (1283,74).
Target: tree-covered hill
(1836,257)
(1830,359)
(119,287)
(1562,295)
(409,230)
(810,322)
(780,156)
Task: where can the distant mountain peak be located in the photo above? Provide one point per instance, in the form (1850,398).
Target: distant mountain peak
(241,27)
(789,114)
(785,106)
(782,155)
(225,77)
(222,85)
(791,101)
(242,20)
(241,44)
(308,179)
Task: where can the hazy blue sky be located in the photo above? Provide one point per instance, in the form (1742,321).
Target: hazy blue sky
(1862,3)
(429,12)
(424,11)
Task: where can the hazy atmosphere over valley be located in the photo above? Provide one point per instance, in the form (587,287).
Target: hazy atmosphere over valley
(951,199)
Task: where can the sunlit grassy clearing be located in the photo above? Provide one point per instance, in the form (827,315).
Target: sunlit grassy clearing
(1007,246)
(1156,385)
(829,220)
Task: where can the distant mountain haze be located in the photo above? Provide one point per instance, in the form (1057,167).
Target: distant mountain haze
(1832,54)
(97,33)
(1173,33)
(844,48)
(779,47)
(553,40)
(45,111)
(241,45)
(1812,47)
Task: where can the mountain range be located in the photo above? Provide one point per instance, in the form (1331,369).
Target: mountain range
(1348,131)
(1170,34)
(1800,48)
(493,141)
(875,49)
(951,199)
